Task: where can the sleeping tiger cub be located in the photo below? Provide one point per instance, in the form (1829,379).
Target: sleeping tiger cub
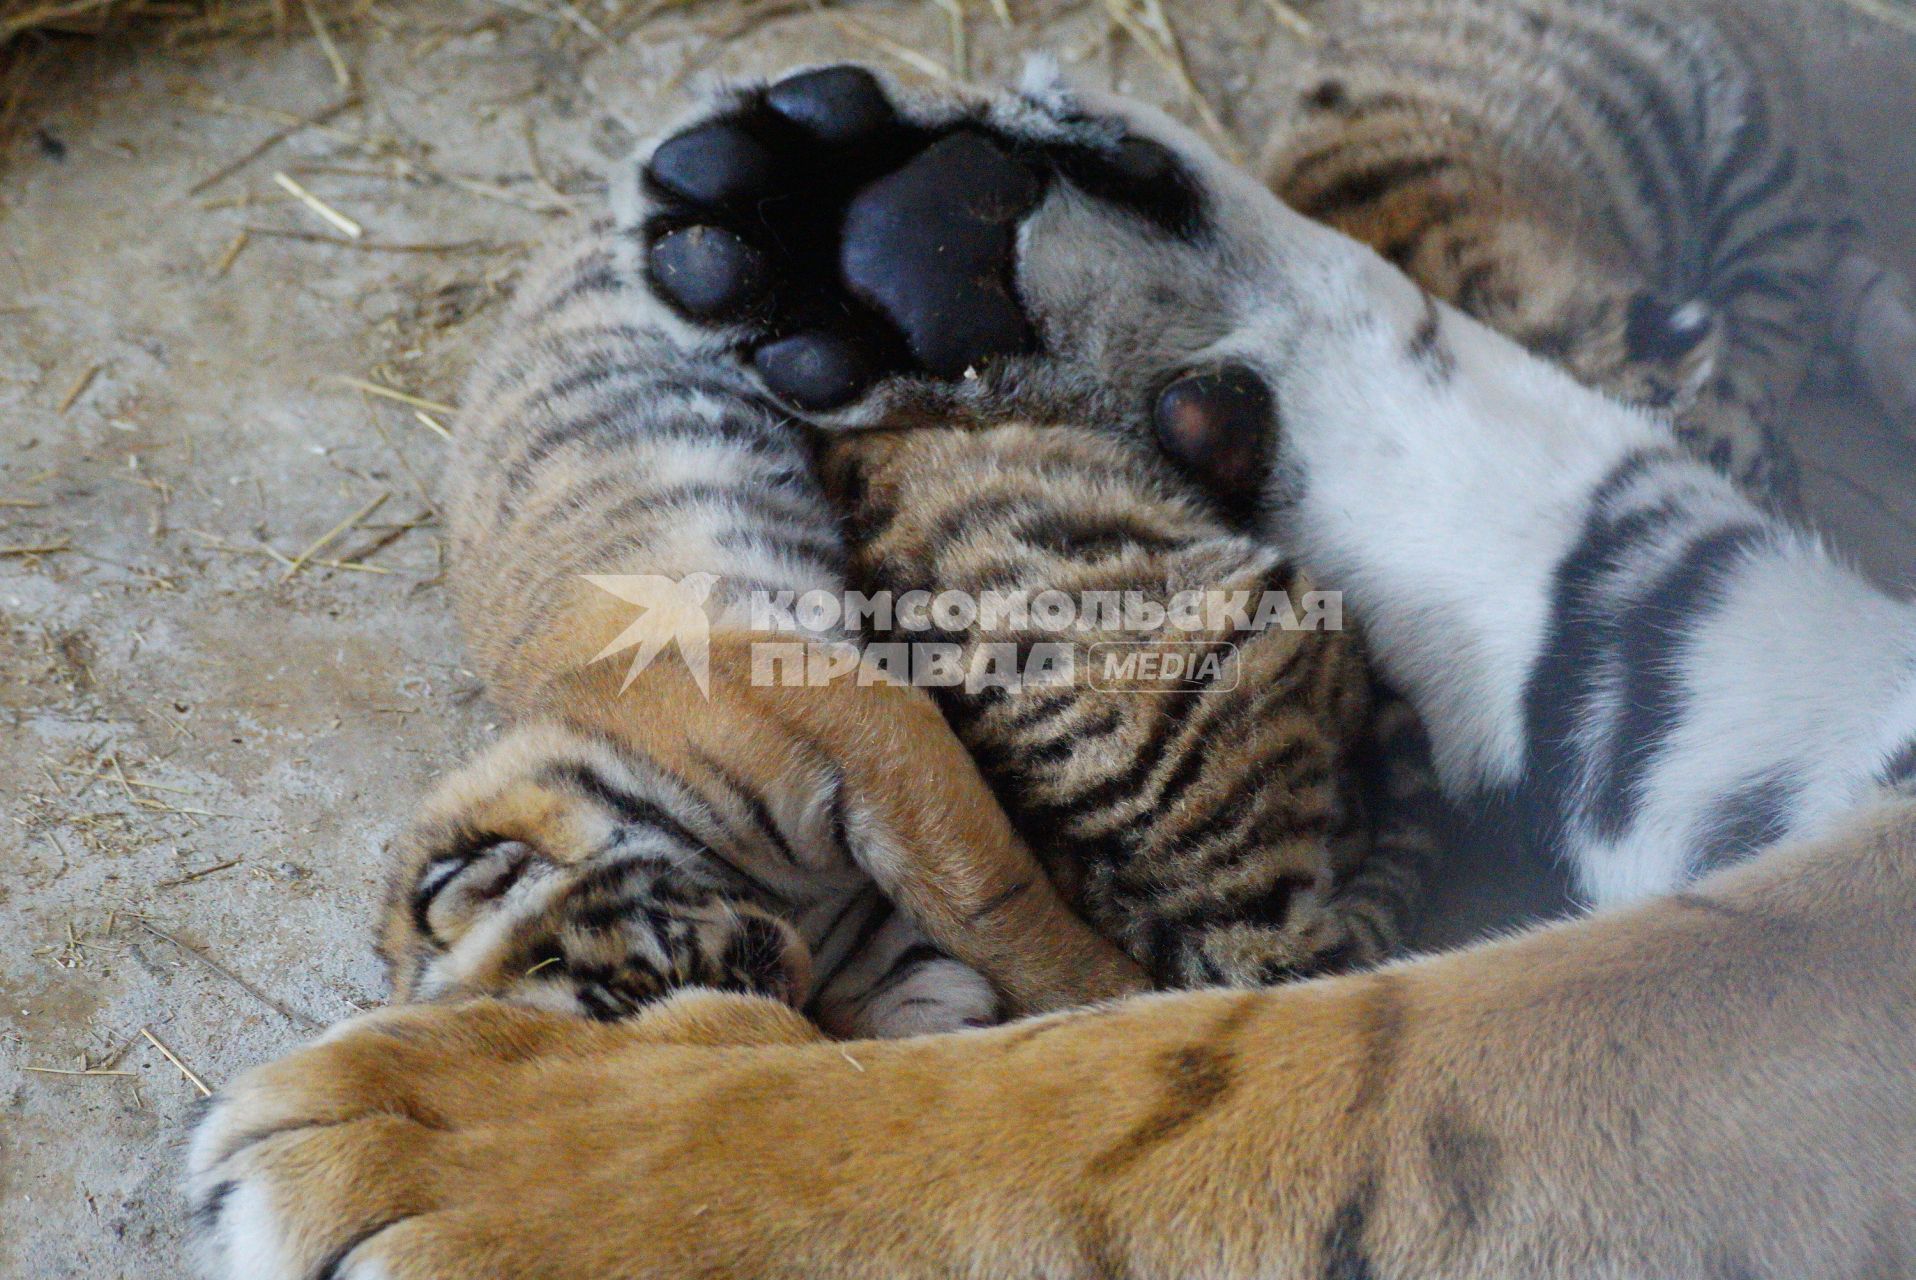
(699,828)
(1204,816)
(1640,191)
(619,844)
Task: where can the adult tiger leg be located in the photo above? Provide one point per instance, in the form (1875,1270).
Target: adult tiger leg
(1711,1085)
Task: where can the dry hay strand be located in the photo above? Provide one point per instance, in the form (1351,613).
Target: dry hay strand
(38,36)
(1897,13)
(176,21)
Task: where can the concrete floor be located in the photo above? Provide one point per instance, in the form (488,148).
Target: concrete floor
(204,753)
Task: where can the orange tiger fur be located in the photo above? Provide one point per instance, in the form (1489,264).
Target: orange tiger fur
(1645,1093)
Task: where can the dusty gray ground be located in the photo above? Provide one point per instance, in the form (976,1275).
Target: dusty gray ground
(195,745)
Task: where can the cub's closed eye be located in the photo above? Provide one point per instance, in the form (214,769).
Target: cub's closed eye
(438,874)
(453,886)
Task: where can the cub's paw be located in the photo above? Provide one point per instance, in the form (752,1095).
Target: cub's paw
(434,1141)
(873,252)
(1315,940)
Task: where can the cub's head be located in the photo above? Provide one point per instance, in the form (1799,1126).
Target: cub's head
(552,871)
(1589,312)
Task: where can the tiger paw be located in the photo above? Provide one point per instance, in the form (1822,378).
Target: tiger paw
(889,242)
(877,254)
(438,1142)
(1313,942)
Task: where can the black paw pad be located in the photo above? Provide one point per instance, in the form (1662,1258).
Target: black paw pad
(1216,426)
(714,164)
(930,246)
(1141,175)
(707,271)
(814,370)
(1143,160)
(838,105)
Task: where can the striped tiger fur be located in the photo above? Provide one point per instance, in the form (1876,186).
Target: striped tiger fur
(618,843)
(1211,822)
(1718,1081)
(1640,190)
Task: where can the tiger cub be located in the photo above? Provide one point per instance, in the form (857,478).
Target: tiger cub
(701,827)
(1194,780)
(1639,190)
